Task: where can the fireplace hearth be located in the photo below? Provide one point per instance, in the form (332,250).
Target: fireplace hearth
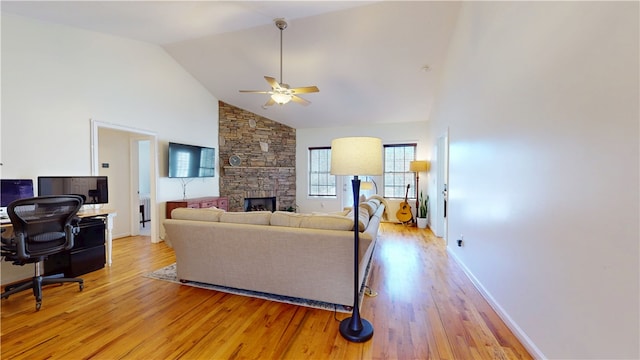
(260,204)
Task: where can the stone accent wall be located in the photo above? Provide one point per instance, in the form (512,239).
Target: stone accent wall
(268,153)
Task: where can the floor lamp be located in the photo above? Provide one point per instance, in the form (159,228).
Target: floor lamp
(356,156)
(418,166)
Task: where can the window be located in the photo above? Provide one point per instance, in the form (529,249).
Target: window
(396,170)
(321,182)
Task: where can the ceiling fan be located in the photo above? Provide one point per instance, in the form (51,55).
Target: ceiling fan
(280,92)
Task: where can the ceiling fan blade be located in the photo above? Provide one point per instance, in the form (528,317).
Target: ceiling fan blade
(254,91)
(299,100)
(273,82)
(305,90)
(270,102)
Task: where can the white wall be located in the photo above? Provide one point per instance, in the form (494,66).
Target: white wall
(410,132)
(542,104)
(56,78)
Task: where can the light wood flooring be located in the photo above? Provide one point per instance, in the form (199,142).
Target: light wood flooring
(426,309)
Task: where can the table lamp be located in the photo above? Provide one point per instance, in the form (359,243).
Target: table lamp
(356,156)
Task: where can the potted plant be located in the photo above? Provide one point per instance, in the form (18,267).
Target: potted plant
(423,211)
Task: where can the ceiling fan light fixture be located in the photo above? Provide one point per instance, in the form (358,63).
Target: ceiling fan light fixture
(280,92)
(281,98)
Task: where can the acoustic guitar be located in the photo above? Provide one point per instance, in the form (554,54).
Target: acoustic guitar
(404,213)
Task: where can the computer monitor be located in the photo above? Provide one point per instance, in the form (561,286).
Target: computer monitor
(14,189)
(92,189)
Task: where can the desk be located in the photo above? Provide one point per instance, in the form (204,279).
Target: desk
(105,214)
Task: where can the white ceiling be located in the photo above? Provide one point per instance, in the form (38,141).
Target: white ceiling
(366,57)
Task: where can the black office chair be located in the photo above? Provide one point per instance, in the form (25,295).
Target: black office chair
(42,226)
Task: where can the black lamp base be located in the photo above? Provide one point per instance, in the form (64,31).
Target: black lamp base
(363,335)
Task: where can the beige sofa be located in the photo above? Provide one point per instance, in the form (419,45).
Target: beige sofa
(299,255)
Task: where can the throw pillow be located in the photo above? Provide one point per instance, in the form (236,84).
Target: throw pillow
(374,201)
(368,207)
(363,218)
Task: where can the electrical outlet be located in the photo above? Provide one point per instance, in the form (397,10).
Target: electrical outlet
(461,240)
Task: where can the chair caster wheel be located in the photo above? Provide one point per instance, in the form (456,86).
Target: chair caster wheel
(38,306)
(81,286)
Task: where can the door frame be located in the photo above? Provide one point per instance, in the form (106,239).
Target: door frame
(136,135)
(442,183)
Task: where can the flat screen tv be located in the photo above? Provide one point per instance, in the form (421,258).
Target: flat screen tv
(191,161)
(93,189)
(14,189)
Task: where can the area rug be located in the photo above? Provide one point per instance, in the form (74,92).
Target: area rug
(168,273)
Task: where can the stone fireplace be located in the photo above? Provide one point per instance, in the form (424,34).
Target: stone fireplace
(264,153)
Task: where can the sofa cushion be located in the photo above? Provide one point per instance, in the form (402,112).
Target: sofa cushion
(208,214)
(250,217)
(286,218)
(327,222)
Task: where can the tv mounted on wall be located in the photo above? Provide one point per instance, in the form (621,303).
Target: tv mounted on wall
(93,189)
(191,161)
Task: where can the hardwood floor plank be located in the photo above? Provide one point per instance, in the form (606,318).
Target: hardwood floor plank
(426,308)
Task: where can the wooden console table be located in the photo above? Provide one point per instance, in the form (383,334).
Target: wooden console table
(221,202)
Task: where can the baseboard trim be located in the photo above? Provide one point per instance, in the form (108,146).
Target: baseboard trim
(512,325)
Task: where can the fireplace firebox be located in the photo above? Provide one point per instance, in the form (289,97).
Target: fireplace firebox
(260,204)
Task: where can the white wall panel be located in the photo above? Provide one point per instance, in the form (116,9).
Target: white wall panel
(541,101)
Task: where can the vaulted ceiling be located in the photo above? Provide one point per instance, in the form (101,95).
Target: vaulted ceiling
(368,58)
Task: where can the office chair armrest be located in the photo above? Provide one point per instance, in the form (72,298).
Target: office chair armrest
(20,246)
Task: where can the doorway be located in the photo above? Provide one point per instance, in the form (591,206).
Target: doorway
(144,185)
(116,154)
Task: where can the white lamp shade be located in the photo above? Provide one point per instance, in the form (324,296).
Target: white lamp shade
(366,185)
(356,156)
(419,166)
